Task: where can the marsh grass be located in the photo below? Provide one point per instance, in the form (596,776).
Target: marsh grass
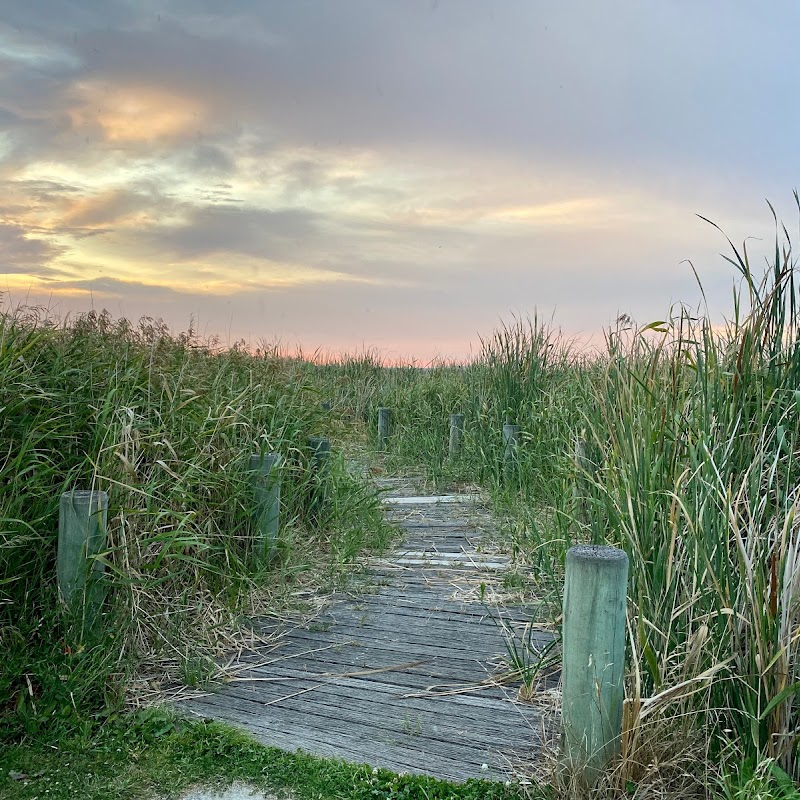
(678,443)
(165,424)
(698,434)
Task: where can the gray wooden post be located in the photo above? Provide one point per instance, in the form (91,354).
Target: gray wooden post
(384,425)
(320,453)
(510,445)
(266,481)
(320,448)
(456,431)
(582,466)
(581,462)
(82,524)
(593,639)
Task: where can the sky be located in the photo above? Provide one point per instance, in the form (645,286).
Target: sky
(398,175)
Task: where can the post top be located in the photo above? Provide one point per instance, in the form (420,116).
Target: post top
(86,495)
(596,552)
(268,461)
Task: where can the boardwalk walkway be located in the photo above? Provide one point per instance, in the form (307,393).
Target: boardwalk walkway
(402,673)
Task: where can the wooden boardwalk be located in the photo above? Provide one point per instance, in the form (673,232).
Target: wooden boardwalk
(402,673)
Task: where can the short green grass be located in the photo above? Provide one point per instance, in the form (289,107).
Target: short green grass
(154,754)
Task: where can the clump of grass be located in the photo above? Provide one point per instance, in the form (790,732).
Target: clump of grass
(165,424)
(698,431)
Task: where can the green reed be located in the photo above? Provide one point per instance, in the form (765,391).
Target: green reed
(166,425)
(679,443)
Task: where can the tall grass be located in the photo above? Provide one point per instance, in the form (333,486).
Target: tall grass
(698,431)
(165,424)
(688,459)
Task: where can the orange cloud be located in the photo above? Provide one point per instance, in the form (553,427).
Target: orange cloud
(105,208)
(135,114)
(579,211)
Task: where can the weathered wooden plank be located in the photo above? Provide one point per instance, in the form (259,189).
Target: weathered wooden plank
(308,649)
(370,613)
(434,628)
(368,726)
(464,688)
(350,747)
(381,689)
(432,718)
(436,499)
(449,545)
(474,646)
(455,537)
(456,562)
(484,630)
(417,605)
(425,675)
(409,616)
(410,650)
(313,727)
(436,597)
(424,563)
(474,613)
(355,641)
(427,547)
(371,617)
(481,645)
(426,681)
(434,525)
(441,531)
(435,520)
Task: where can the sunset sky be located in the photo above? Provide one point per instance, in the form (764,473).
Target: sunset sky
(398,174)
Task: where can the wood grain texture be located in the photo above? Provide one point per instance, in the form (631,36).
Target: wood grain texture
(408,671)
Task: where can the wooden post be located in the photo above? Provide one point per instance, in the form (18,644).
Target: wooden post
(456,431)
(593,637)
(320,453)
(510,445)
(82,524)
(266,481)
(581,461)
(583,471)
(320,467)
(384,426)
(325,406)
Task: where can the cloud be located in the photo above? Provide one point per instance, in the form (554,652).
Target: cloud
(231,229)
(569,82)
(207,158)
(22,254)
(131,205)
(412,164)
(123,115)
(112,288)
(28,50)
